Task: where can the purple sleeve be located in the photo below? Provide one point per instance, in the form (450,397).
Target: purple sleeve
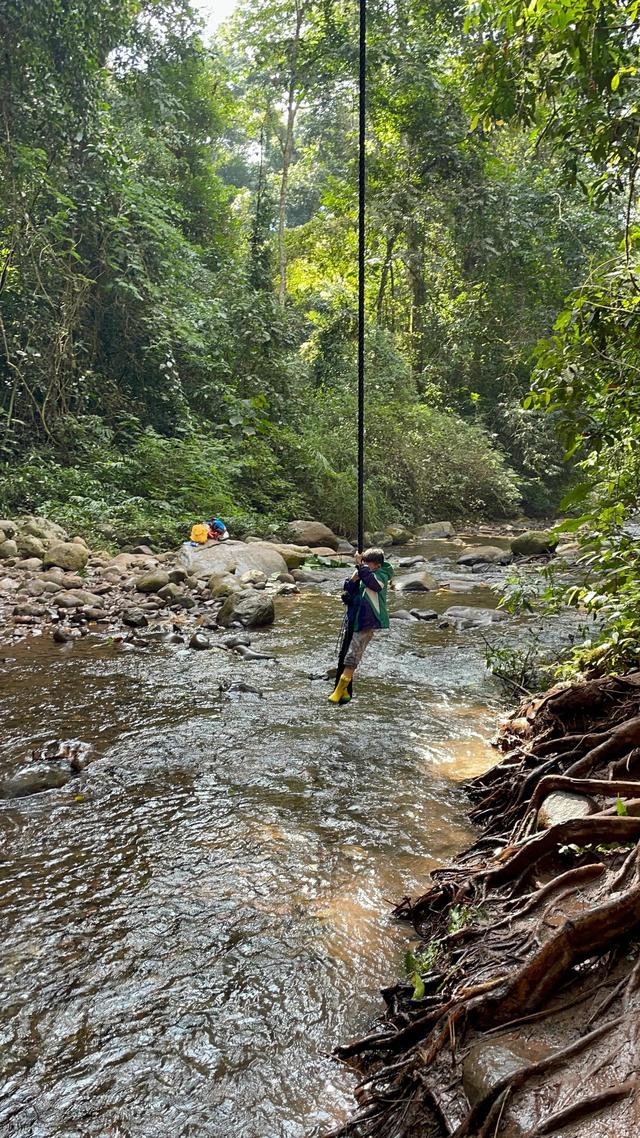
(369,578)
(350,586)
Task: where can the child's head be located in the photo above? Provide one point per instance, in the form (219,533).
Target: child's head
(373,557)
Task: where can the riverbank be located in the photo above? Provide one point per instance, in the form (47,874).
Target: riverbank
(520,1016)
(52,583)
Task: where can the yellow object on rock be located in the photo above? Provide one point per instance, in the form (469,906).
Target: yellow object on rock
(199,533)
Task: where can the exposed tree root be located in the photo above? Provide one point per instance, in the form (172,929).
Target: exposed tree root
(526,929)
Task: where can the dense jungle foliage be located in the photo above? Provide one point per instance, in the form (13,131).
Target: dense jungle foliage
(178,260)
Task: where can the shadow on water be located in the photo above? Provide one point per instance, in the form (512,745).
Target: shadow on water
(192,925)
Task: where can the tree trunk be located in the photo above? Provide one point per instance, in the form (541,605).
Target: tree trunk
(387,271)
(287,154)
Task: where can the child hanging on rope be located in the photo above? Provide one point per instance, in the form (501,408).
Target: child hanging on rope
(365,594)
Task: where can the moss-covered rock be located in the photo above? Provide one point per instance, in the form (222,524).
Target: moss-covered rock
(534,543)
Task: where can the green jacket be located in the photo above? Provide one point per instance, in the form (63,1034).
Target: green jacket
(370,603)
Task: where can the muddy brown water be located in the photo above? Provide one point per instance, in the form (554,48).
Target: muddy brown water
(191,925)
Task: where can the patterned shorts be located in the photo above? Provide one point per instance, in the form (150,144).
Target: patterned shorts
(359,642)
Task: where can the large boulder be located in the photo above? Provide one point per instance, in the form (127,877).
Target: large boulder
(30,546)
(435,530)
(153,581)
(463,616)
(9,529)
(294,555)
(314,534)
(398,535)
(415,583)
(563,806)
(250,607)
(8,549)
(41,528)
(219,558)
(66,555)
(485,555)
(534,543)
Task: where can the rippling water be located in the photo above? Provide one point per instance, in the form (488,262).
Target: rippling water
(192,925)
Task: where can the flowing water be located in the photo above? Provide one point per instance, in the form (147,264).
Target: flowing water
(191,925)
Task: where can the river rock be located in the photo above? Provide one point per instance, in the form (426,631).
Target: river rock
(434,530)
(177,575)
(169,592)
(487,1062)
(309,576)
(251,608)
(63,634)
(238,638)
(314,534)
(416,583)
(27,610)
(41,528)
(128,562)
(30,546)
(217,559)
(401,614)
(409,562)
(8,528)
(224,586)
(562,806)
(534,543)
(294,555)
(135,618)
(76,598)
(94,615)
(35,587)
(34,780)
(183,601)
(324,552)
(153,582)
(254,578)
(345,547)
(66,555)
(485,555)
(463,616)
(8,548)
(424,614)
(284,589)
(199,641)
(30,564)
(9,585)
(399,535)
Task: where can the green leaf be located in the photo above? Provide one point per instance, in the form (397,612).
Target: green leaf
(615,82)
(418,986)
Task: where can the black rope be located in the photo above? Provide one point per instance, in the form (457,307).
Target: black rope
(361,250)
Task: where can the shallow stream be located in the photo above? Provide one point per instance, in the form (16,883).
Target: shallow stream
(190,926)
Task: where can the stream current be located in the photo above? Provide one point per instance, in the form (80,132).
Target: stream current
(190,926)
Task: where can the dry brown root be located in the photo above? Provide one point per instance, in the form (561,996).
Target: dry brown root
(553,918)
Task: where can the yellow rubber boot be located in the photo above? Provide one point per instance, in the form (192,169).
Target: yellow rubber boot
(340,694)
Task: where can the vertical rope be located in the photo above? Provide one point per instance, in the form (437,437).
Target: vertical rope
(361,250)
